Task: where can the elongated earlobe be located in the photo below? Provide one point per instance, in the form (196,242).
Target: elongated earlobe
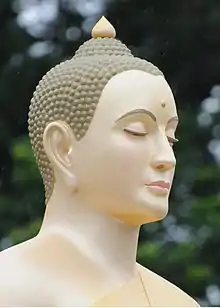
(72,182)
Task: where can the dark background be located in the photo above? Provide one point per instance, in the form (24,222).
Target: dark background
(182,39)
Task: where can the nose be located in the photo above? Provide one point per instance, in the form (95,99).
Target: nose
(164,158)
(163,165)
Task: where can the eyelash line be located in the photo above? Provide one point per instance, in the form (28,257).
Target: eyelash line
(174,140)
(134,133)
(170,139)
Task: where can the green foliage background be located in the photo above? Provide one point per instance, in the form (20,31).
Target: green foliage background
(182,38)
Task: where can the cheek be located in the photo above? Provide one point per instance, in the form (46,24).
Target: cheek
(126,156)
(115,160)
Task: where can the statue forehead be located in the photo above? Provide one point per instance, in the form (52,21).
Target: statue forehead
(135,89)
(129,82)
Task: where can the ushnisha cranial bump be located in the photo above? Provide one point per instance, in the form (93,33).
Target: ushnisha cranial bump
(70,91)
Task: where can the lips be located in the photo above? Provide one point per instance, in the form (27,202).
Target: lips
(161,184)
(159,188)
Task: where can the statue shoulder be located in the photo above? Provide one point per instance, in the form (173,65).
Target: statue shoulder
(164,293)
(17,286)
(12,279)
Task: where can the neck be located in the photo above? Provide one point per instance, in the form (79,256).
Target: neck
(106,241)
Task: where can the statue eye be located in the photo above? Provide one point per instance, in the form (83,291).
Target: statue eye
(136,129)
(172,141)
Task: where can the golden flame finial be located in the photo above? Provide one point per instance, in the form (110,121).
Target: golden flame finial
(103,28)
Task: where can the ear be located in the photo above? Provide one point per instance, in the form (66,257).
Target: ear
(59,143)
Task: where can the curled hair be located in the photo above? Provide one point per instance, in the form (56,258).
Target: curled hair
(70,92)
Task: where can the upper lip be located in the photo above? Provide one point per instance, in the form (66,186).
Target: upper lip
(161,184)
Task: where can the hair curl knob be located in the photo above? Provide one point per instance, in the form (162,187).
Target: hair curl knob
(103,28)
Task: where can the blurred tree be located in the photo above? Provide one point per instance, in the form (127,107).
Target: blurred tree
(181,37)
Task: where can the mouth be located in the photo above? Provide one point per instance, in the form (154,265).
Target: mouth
(160,188)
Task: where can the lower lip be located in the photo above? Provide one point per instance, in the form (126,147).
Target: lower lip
(158,190)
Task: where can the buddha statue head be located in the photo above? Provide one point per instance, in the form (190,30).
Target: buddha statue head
(102,126)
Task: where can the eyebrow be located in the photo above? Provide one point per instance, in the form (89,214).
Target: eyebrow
(137,111)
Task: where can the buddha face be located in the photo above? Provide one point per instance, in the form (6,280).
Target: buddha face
(125,164)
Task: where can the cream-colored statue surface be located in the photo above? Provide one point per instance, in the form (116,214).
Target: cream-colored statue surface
(102,126)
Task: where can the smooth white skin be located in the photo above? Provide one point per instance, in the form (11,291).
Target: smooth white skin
(112,167)
(102,211)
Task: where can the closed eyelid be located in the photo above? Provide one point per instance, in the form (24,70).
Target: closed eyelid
(174,121)
(172,126)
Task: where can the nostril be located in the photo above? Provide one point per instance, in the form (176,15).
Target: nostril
(160,166)
(163,165)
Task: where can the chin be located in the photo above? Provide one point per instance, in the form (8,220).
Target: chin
(143,213)
(156,215)
(154,208)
